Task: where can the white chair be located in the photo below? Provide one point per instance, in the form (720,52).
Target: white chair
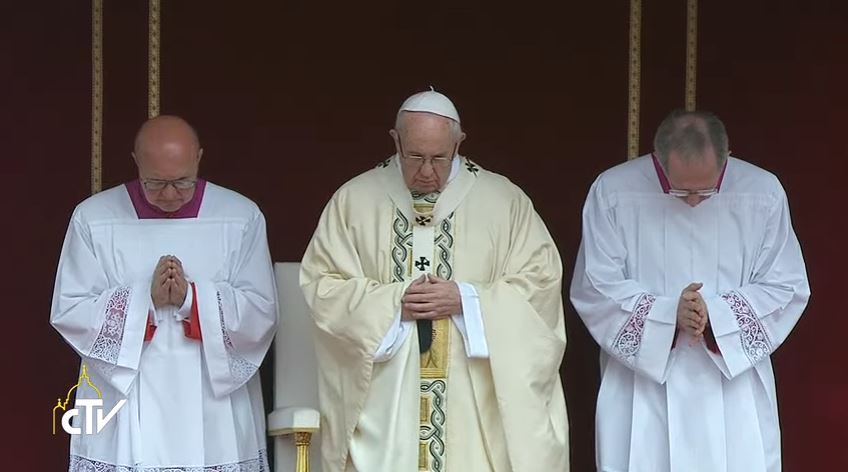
(295,379)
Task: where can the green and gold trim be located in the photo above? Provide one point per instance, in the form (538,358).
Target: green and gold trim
(434,362)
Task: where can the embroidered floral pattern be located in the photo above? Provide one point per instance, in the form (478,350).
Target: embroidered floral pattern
(755,340)
(240,368)
(81,464)
(107,346)
(629,339)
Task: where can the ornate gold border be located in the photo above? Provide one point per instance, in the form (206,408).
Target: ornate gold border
(634,82)
(153,58)
(96,95)
(691,52)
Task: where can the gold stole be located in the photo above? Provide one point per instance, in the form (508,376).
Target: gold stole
(422,242)
(434,363)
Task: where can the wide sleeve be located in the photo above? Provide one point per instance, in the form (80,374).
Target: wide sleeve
(750,322)
(628,321)
(238,315)
(103,322)
(351,309)
(525,331)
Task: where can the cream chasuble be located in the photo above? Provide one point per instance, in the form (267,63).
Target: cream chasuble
(440,410)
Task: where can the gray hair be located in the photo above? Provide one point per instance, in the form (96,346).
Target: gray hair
(455,127)
(689,133)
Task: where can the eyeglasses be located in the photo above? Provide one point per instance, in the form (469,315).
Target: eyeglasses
(416,162)
(155,185)
(697,193)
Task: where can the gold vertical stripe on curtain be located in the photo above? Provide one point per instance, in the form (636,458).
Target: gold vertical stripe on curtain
(96,95)
(153,58)
(691,52)
(634,81)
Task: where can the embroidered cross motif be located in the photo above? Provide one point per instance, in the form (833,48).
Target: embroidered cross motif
(423,220)
(471,167)
(422,263)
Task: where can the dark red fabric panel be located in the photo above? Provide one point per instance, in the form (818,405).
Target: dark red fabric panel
(293,98)
(776,73)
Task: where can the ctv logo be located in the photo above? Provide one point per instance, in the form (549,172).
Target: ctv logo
(93,408)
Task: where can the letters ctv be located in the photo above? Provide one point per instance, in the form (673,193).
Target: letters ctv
(90,415)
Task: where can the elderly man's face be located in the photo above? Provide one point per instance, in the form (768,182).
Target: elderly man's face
(426,144)
(700,174)
(168,156)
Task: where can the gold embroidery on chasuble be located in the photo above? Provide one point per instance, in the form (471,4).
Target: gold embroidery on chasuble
(432,254)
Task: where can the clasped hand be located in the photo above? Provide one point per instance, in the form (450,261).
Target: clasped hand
(169,286)
(431,298)
(692,314)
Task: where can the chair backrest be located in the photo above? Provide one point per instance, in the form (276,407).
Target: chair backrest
(295,364)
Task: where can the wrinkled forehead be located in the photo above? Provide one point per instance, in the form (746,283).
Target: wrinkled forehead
(423,119)
(168,159)
(426,130)
(167,150)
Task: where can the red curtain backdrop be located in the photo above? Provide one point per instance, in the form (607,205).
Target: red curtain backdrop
(293,98)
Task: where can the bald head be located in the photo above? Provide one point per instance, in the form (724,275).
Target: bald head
(162,130)
(692,134)
(167,149)
(692,148)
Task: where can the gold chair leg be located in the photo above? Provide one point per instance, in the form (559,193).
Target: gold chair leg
(301,442)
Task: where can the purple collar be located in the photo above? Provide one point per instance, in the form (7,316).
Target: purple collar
(146,210)
(666,186)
